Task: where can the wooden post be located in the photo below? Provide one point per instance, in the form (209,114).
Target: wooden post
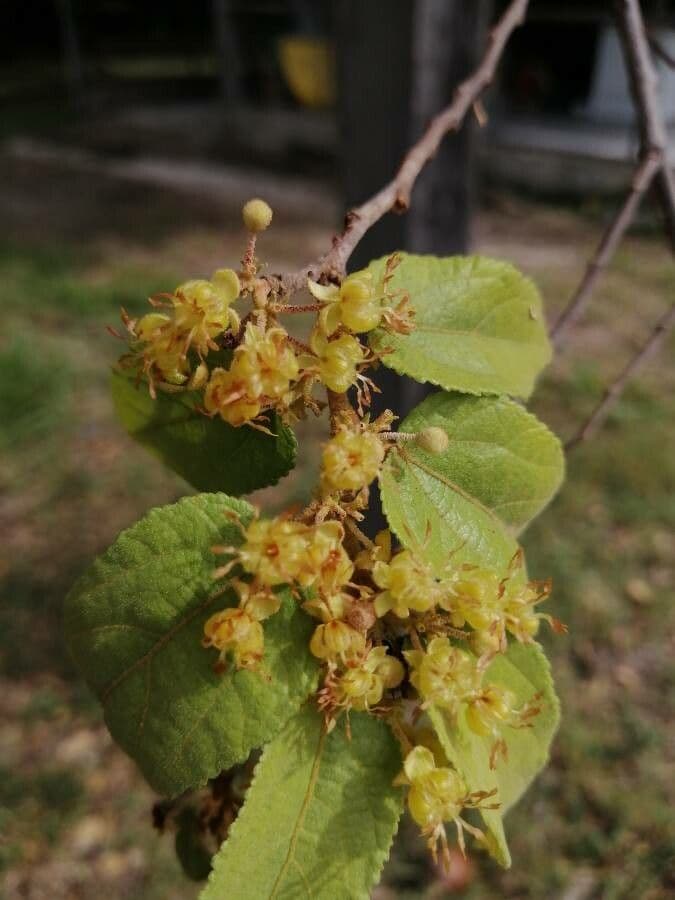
(374,62)
(227,52)
(70,50)
(398,63)
(448,38)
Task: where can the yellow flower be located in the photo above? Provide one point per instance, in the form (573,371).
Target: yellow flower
(337,640)
(202,309)
(436,794)
(337,360)
(152,326)
(160,346)
(474,596)
(259,601)
(444,675)
(363,684)
(275,550)
(380,552)
(494,707)
(257,215)
(407,584)
(227,395)
(235,632)
(266,362)
(519,604)
(326,565)
(354,304)
(328,608)
(351,460)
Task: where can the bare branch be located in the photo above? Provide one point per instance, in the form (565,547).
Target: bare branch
(395,196)
(644,85)
(611,239)
(659,50)
(653,162)
(614,391)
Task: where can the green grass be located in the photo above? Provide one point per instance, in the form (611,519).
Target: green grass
(61,283)
(34,386)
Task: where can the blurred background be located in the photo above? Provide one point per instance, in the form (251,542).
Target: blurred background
(130,135)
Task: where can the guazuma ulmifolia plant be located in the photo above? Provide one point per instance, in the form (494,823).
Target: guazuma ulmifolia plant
(370,669)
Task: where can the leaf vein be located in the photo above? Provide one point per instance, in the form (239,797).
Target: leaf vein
(309,793)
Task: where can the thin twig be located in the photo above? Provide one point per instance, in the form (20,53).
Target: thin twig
(660,50)
(614,391)
(653,162)
(644,85)
(340,411)
(395,196)
(611,239)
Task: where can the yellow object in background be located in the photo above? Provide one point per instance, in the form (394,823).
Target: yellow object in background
(308,67)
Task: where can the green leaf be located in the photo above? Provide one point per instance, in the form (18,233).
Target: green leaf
(501,468)
(208,453)
(525,671)
(498,453)
(319,817)
(134,625)
(479,325)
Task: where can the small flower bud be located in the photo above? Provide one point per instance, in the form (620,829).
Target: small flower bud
(433,440)
(257,215)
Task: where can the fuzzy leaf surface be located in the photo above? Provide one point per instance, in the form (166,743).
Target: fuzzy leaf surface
(479,325)
(498,452)
(525,671)
(208,453)
(134,624)
(501,468)
(319,817)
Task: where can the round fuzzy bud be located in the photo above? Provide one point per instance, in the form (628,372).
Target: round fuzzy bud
(257,215)
(433,440)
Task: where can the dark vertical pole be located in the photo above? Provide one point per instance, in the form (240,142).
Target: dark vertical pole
(375,49)
(70,49)
(447,42)
(227,51)
(398,63)
(374,75)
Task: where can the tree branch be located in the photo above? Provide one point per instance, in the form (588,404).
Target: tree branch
(643,177)
(614,391)
(653,163)
(395,196)
(653,166)
(660,50)
(644,84)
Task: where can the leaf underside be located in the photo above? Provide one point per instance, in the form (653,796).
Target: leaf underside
(134,624)
(525,671)
(319,817)
(208,453)
(479,325)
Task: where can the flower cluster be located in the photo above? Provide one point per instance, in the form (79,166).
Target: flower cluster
(388,632)
(248,366)
(169,346)
(392,636)
(437,794)
(488,604)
